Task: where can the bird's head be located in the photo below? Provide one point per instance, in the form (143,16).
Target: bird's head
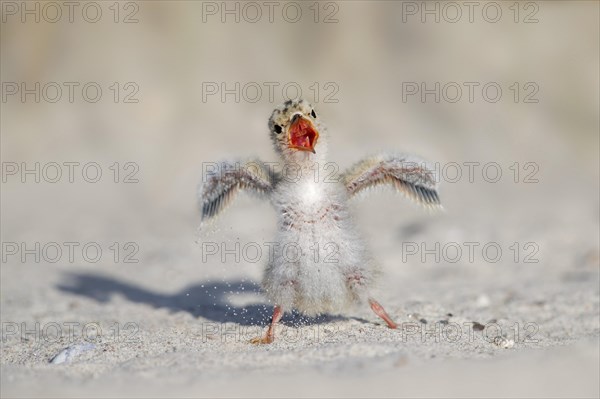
(295,130)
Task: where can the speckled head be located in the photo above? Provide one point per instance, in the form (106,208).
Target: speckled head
(294,128)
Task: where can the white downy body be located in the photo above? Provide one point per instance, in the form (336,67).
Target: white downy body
(320,264)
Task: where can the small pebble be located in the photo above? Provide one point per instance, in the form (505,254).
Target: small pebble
(478,326)
(414,316)
(68,354)
(504,342)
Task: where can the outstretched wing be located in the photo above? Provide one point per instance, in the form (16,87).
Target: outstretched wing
(409,175)
(221,181)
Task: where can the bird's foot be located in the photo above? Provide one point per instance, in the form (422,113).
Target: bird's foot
(380,311)
(267,339)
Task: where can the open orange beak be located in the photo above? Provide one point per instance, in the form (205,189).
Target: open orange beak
(302,134)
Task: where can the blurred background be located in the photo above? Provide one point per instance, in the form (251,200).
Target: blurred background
(194,80)
(185,83)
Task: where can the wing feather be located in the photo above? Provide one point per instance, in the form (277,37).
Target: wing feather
(409,175)
(222,181)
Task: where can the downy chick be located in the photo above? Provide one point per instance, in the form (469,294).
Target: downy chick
(320,264)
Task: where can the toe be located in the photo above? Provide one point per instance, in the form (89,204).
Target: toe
(262,340)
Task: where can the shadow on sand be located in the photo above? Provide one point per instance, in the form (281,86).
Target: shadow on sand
(207,299)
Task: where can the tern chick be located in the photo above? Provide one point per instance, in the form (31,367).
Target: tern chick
(320,264)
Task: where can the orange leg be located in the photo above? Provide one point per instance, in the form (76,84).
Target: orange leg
(380,311)
(269,337)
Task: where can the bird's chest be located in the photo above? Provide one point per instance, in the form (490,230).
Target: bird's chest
(309,207)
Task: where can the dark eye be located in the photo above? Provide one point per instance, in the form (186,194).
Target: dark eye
(277,128)
(314,115)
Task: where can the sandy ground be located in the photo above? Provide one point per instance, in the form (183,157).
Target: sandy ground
(170,325)
(158,315)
